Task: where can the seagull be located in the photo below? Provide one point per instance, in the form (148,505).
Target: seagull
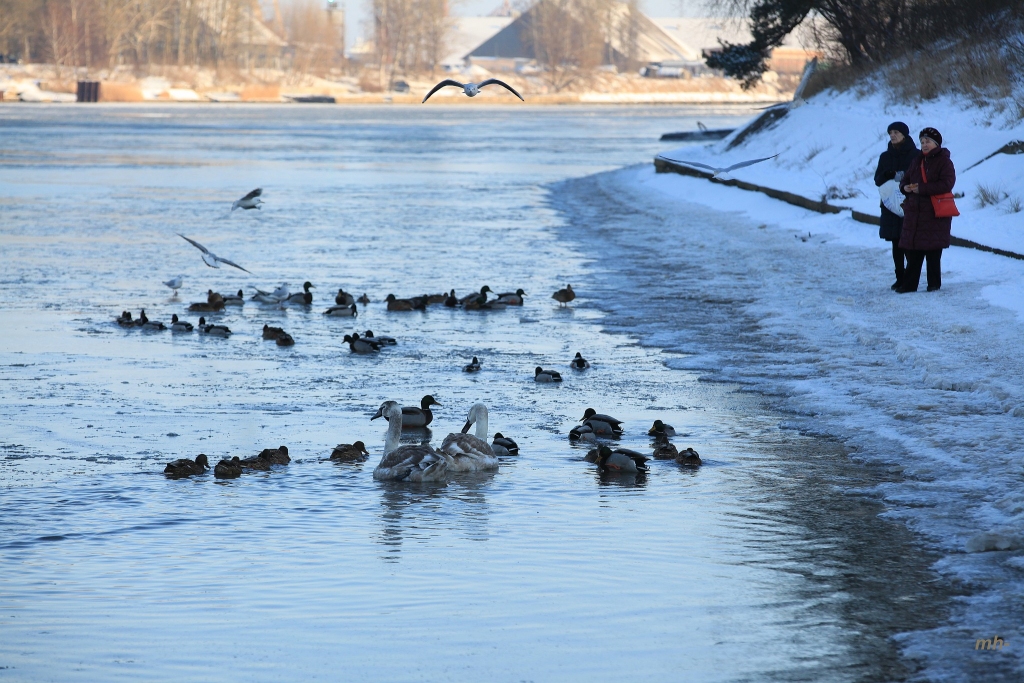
(209,258)
(175,284)
(720,171)
(472,89)
(249,201)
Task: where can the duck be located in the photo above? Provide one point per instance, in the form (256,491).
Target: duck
(180,325)
(235,299)
(349,452)
(597,419)
(213,330)
(564,296)
(303,298)
(502,445)
(125,319)
(348,311)
(660,430)
(411,462)
(665,451)
(382,339)
(471,453)
(435,298)
(414,418)
(343,298)
(214,302)
(414,304)
(184,467)
(579,362)
(450,301)
(511,298)
(476,298)
(228,469)
(621,460)
(285,339)
(214,299)
(358,345)
(149,325)
(542,375)
(275,297)
(583,432)
(474,366)
(266,459)
(272,332)
(689,457)
(363,299)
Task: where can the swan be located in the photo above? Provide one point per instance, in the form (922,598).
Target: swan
(410,462)
(471,453)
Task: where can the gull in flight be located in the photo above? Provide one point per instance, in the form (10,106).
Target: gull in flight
(471,89)
(720,171)
(249,201)
(209,258)
(175,284)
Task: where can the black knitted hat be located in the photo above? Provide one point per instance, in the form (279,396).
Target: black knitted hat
(933,134)
(899,126)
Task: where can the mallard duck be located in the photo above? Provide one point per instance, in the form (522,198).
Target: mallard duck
(359,345)
(214,299)
(343,298)
(342,311)
(413,304)
(349,452)
(202,307)
(618,460)
(149,325)
(564,296)
(579,362)
(234,299)
(272,332)
(435,298)
(474,366)
(596,419)
(511,298)
(450,301)
(471,453)
(285,339)
(542,375)
(414,418)
(665,451)
(583,432)
(660,430)
(228,469)
(689,457)
(266,459)
(180,469)
(303,298)
(476,298)
(213,330)
(410,462)
(180,325)
(382,339)
(125,319)
(363,299)
(502,445)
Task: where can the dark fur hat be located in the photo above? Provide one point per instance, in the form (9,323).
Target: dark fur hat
(899,126)
(933,134)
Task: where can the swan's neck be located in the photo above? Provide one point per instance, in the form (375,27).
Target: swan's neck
(481,427)
(394,435)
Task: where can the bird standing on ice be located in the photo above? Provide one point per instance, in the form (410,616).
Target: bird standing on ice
(175,284)
(249,201)
(471,89)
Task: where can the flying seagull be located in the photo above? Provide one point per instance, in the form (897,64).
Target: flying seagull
(249,201)
(720,171)
(471,89)
(175,284)
(209,258)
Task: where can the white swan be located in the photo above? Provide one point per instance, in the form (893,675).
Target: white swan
(471,453)
(409,462)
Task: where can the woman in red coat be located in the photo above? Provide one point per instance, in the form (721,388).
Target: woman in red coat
(924,236)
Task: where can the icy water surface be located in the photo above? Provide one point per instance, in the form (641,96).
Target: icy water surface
(753,568)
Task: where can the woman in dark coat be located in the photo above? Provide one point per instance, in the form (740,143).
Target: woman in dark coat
(925,236)
(892,165)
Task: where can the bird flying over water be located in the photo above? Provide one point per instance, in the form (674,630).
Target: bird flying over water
(471,89)
(720,171)
(249,201)
(209,258)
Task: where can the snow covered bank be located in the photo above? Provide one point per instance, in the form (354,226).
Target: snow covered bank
(828,149)
(796,304)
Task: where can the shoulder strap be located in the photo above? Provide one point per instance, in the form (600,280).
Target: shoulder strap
(923,176)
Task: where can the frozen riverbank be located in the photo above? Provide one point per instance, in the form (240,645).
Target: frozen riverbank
(796,304)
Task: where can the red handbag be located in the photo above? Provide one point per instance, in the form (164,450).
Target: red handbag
(942,204)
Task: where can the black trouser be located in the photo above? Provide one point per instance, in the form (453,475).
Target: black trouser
(915,259)
(898,256)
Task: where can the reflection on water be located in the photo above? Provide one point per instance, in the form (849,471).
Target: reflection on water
(750,568)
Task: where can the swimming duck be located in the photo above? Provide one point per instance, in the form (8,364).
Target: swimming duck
(303,298)
(180,325)
(272,332)
(689,457)
(342,311)
(125,319)
(413,418)
(564,296)
(660,430)
(267,458)
(619,460)
(435,298)
(410,462)
(149,325)
(349,452)
(228,469)
(180,469)
(213,330)
(363,299)
(476,298)
(343,298)
(214,299)
(413,304)
(285,339)
(471,453)
(382,339)
(665,451)
(502,445)
(358,345)
(583,432)
(203,307)
(511,298)
(450,301)
(474,366)
(579,362)
(595,417)
(542,375)
(234,299)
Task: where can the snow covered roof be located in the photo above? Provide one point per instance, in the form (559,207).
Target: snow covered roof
(701,33)
(468,33)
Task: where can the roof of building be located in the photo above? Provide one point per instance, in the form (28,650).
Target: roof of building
(468,33)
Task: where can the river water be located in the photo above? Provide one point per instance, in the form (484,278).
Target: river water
(758,566)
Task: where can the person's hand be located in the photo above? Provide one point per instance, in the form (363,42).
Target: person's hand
(912,187)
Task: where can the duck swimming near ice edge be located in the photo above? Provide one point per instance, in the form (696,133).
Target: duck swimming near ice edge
(542,375)
(184,467)
(350,452)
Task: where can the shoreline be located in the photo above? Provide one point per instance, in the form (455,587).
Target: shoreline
(585,99)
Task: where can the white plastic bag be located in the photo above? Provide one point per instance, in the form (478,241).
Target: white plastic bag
(892,198)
